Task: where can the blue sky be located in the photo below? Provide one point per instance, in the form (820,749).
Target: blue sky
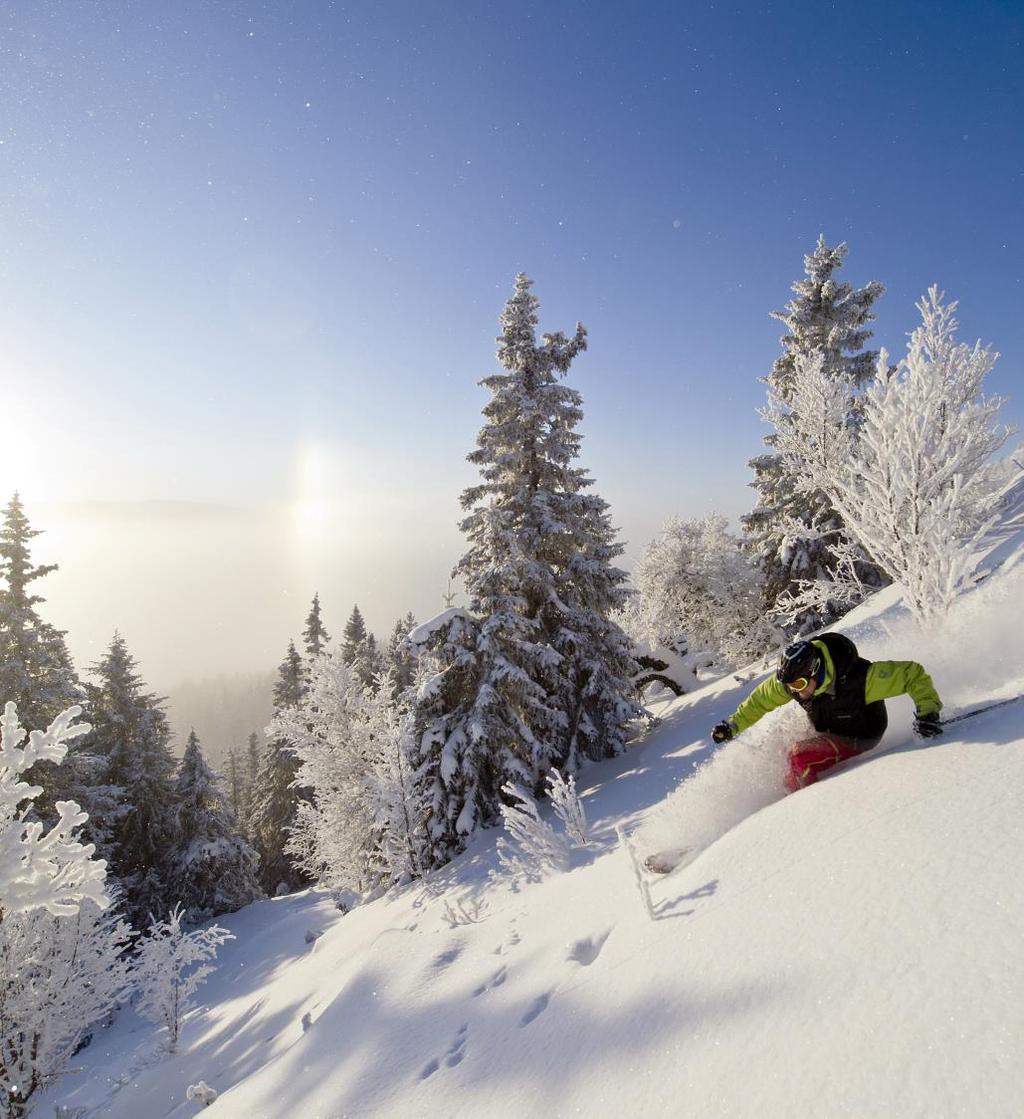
(253,255)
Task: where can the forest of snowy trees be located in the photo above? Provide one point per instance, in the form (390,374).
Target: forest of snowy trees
(382,760)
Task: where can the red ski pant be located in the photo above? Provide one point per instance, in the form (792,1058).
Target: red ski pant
(811,757)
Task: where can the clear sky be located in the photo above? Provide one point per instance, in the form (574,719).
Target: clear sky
(252,258)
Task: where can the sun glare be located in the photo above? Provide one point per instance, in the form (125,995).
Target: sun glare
(314,507)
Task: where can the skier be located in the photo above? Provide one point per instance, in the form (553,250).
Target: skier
(844,697)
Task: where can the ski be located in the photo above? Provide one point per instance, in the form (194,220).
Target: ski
(981,710)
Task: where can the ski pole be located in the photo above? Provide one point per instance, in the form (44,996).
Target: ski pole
(980,710)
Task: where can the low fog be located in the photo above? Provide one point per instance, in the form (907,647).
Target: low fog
(205,591)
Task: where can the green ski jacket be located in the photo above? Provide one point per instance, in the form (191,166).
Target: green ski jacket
(882,680)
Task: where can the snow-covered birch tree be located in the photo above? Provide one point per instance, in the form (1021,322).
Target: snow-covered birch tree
(918,485)
(330,736)
(398,790)
(699,595)
(60,977)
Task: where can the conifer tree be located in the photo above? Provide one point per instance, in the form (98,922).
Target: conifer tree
(547,680)
(274,798)
(359,649)
(289,687)
(355,635)
(36,673)
(236,786)
(214,869)
(400,658)
(252,768)
(369,663)
(132,736)
(791,527)
(315,636)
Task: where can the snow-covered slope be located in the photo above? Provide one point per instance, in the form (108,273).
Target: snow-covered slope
(848,951)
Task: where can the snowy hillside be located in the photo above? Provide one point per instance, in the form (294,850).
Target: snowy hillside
(849,950)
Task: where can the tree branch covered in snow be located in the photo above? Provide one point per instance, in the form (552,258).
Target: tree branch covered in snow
(41,869)
(567,807)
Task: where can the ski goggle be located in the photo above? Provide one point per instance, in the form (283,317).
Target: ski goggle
(799,683)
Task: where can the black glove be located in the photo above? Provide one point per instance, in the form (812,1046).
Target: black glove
(927,726)
(722,732)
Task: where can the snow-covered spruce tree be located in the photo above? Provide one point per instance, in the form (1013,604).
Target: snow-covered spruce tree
(330,735)
(698,595)
(354,636)
(132,736)
(400,658)
(830,317)
(919,486)
(455,764)
(36,672)
(275,798)
(170,966)
(359,649)
(61,967)
(549,682)
(539,569)
(315,636)
(214,869)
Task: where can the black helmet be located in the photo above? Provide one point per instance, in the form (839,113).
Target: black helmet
(801,659)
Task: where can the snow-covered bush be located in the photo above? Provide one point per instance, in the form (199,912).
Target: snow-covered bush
(59,977)
(202,1093)
(567,807)
(170,967)
(41,869)
(917,485)
(533,848)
